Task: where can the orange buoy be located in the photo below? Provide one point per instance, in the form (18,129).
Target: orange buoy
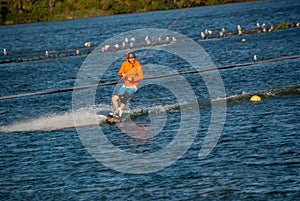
(255,99)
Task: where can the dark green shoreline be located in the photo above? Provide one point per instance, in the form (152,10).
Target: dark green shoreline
(16,13)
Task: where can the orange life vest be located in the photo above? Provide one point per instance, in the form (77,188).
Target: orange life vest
(131,71)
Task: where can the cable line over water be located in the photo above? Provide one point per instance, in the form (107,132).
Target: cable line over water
(149,78)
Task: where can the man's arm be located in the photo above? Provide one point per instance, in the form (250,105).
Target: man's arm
(120,73)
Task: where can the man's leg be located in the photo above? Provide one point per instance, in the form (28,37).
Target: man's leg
(122,106)
(128,92)
(115,101)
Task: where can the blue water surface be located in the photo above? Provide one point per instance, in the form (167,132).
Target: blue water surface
(256,157)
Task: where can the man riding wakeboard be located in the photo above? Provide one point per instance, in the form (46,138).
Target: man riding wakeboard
(131,72)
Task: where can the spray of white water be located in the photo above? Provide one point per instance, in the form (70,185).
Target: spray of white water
(84,117)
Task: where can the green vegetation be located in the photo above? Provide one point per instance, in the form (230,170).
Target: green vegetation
(28,11)
(283,25)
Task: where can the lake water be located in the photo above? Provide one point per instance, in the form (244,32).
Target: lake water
(194,136)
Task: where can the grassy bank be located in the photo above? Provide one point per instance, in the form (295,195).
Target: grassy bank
(25,11)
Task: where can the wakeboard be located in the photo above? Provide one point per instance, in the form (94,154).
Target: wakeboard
(108,119)
(113,119)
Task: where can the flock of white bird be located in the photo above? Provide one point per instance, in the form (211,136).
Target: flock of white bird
(259,28)
(130,43)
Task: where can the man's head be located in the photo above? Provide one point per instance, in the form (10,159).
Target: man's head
(130,56)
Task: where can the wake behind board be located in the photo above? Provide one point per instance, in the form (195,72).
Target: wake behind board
(101,119)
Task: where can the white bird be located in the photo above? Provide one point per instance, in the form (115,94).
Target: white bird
(117,46)
(239,28)
(77,52)
(167,39)
(257,25)
(46,53)
(131,44)
(206,32)
(123,44)
(254,58)
(132,39)
(126,40)
(106,47)
(223,30)
(159,39)
(209,32)
(87,44)
(202,35)
(4,52)
(147,40)
(174,40)
(264,29)
(221,34)
(271,28)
